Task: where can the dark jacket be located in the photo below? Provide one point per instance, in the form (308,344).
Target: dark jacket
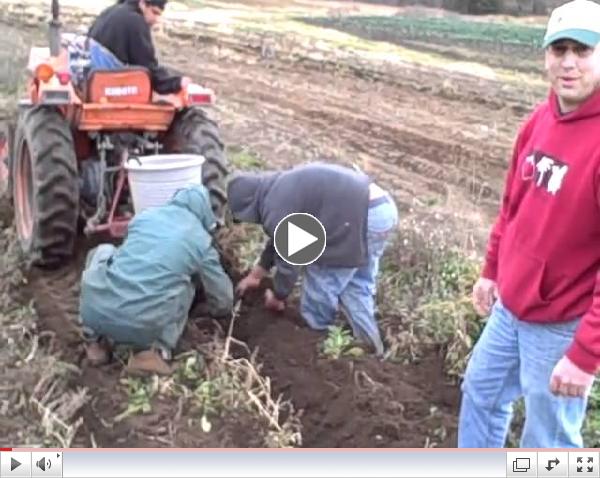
(337,196)
(123,30)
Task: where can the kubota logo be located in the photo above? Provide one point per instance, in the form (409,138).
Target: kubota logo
(121,91)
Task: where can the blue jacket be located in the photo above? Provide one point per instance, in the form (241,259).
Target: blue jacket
(142,294)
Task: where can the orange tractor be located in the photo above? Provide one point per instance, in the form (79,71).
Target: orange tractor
(64,161)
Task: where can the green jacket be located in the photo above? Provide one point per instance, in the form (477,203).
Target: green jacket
(142,294)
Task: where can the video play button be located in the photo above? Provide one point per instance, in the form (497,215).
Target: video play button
(300,239)
(15,464)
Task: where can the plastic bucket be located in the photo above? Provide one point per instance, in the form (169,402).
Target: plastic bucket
(154,179)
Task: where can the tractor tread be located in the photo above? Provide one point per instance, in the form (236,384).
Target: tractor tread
(55,185)
(193,132)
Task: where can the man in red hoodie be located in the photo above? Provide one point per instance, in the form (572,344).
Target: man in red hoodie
(540,283)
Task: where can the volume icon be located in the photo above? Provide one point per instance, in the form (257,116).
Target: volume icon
(43,464)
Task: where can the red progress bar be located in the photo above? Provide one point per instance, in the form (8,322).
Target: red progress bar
(5,449)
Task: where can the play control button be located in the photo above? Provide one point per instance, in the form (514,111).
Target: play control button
(15,464)
(300,239)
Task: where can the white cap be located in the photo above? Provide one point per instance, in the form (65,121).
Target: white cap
(578,20)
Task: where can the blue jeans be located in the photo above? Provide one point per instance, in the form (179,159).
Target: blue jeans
(354,288)
(86,55)
(102,58)
(514,359)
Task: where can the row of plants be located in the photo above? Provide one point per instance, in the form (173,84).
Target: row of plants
(450,30)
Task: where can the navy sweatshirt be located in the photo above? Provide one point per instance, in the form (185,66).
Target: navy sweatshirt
(337,196)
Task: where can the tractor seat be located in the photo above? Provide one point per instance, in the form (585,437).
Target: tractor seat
(127,85)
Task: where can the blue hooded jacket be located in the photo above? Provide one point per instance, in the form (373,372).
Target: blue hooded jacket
(143,293)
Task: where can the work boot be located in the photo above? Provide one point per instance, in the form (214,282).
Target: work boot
(97,353)
(148,362)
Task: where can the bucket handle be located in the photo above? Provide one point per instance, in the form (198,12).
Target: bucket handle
(135,158)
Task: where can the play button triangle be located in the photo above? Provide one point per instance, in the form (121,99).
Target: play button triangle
(298,239)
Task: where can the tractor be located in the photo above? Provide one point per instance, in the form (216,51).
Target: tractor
(63,160)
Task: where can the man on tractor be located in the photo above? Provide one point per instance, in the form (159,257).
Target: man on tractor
(124,30)
(140,294)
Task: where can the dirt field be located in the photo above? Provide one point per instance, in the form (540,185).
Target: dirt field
(437,139)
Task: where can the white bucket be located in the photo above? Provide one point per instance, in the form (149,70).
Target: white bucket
(154,179)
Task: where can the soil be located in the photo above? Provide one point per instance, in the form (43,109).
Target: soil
(358,403)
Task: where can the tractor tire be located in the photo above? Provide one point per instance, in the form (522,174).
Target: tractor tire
(193,132)
(45,187)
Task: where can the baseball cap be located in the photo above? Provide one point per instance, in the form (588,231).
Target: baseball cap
(578,20)
(157,3)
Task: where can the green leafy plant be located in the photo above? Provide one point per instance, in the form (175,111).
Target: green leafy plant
(424,296)
(243,159)
(402,27)
(190,370)
(206,397)
(340,343)
(191,381)
(591,427)
(139,395)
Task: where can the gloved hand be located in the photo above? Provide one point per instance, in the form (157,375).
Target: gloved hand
(272,303)
(251,281)
(568,380)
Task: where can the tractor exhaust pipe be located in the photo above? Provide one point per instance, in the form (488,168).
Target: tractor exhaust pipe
(54,30)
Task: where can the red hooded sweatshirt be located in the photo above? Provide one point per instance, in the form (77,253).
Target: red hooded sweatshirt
(544,250)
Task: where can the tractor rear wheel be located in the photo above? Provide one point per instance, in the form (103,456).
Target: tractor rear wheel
(193,132)
(45,186)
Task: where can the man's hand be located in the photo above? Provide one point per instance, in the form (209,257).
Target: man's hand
(485,292)
(251,281)
(272,303)
(185,82)
(568,380)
